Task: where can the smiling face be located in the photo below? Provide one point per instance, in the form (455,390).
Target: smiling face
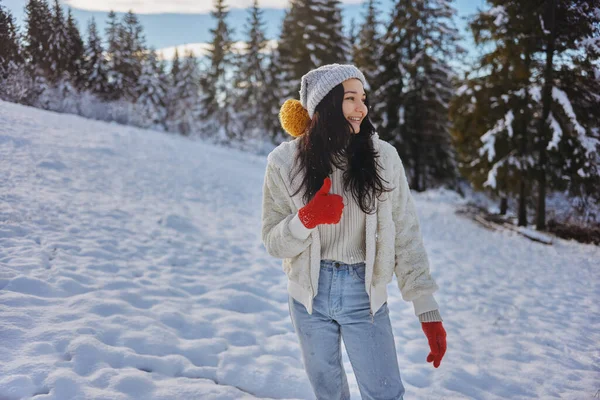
(353,106)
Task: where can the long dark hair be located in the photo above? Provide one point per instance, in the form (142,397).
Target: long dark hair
(330,141)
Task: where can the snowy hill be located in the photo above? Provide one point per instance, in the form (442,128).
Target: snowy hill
(131,267)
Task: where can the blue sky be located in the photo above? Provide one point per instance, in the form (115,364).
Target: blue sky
(179,22)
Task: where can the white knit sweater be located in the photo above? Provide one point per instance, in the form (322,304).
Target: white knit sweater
(344,241)
(393,242)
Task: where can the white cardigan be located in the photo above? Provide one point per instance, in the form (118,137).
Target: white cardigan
(393,238)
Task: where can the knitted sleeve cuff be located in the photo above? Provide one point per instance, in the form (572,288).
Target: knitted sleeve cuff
(425,303)
(430,316)
(298,229)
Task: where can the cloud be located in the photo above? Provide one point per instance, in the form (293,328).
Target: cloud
(201,49)
(174,6)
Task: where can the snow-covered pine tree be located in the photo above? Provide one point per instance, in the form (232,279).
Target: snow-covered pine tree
(75,49)
(570,33)
(151,105)
(94,64)
(56,92)
(175,66)
(273,100)
(421,41)
(10,47)
(311,36)
(575,127)
(38,31)
(367,55)
(554,140)
(331,44)
(250,81)
(188,111)
(217,99)
(58,49)
(173,92)
(292,49)
(353,36)
(16,84)
(496,146)
(114,58)
(132,52)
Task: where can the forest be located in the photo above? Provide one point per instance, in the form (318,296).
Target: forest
(520,123)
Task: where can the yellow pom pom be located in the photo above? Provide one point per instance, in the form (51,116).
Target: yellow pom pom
(293,117)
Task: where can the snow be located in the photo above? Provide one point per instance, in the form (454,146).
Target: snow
(491,177)
(556,132)
(500,13)
(589,143)
(462,89)
(561,97)
(488,139)
(131,266)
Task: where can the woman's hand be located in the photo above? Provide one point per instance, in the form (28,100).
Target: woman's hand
(324,208)
(436,335)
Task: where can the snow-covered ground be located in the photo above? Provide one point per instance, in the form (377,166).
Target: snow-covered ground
(131,267)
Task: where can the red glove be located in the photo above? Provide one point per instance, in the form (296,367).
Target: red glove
(436,335)
(324,208)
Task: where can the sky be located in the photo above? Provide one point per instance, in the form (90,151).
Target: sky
(179,6)
(175,23)
(132,267)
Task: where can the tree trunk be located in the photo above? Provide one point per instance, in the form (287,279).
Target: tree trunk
(543,128)
(503,206)
(524,176)
(522,203)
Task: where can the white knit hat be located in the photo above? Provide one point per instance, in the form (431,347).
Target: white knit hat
(315,84)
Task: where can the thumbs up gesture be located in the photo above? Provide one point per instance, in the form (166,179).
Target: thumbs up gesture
(324,208)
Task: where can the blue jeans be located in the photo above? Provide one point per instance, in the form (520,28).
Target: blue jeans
(341,310)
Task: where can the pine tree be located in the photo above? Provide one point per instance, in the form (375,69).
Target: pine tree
(353,36)
(292,50)
(152,90)
(217,99)
(500,159)
(367,55)
(175,67)
(331,45)
(114,58)
(132,53)
(94,64)
(58,50)
(566,28)
(76,50)
(38,32)
(174,92)
(188,112)
(16,84)
(311,36)
(274,98)
(10,46)
(126,51)
(250,83)
(541,126)
(415,85)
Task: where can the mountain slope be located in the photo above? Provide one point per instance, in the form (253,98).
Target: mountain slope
(131,266)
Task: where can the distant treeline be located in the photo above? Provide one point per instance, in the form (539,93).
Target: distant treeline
(522,121)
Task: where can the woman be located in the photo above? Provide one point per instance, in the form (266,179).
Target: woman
(338,210)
